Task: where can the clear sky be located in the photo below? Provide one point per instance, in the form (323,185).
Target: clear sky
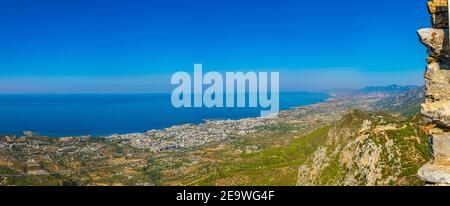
(134,46)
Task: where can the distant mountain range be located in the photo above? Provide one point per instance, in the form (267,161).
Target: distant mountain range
(403,102)
(390,89)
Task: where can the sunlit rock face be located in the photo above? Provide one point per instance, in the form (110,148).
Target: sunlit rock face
(437,104)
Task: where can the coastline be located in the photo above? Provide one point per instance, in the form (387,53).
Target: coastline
(305,118)
(309,117)
(188,117)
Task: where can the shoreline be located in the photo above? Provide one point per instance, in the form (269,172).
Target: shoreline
(184,136)
(27,133)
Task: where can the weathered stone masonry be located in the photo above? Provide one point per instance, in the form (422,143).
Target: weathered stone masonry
(437,105)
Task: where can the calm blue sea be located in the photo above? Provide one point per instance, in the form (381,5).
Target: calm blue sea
(103,114)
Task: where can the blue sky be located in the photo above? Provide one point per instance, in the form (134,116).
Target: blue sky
(134,46)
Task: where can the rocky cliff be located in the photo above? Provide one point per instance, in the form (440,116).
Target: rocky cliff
(437,104)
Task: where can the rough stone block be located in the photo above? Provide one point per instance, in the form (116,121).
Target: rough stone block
(437,112)
(436,40)
(439,174)
(437,83)
(441,147)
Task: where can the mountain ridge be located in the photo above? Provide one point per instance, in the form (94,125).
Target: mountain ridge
(389,89)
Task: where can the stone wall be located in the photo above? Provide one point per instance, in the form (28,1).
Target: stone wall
(438,10)
(437,105)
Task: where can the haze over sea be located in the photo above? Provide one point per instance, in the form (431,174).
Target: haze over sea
(58,115)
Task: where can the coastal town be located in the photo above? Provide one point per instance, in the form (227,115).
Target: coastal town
(186,136)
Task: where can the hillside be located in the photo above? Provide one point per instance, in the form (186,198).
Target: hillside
(359,149)
(368,149)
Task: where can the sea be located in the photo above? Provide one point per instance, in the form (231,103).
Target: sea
(61,115)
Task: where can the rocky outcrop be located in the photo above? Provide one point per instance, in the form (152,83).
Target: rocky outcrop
(368,149)
(437,104)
